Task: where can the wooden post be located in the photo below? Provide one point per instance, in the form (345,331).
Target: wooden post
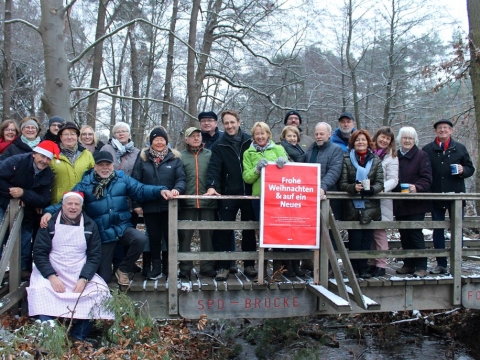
(14,277)
(456,250)
(324,238)
(261,265)
(172,257)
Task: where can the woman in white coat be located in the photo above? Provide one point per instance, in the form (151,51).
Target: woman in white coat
(384,140)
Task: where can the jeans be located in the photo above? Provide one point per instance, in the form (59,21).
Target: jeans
(438,214)
(80,329)
(135,240)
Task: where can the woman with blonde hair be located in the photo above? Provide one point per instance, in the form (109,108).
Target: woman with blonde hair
(88,139)
(9,131)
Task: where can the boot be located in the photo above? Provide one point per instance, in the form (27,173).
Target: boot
(296,268)
(146,263)
(165,262)
(288,266)
(156,270)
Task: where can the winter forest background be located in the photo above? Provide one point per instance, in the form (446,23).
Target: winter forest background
(150,62)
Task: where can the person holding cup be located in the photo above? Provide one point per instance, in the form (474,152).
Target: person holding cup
(415,174)
(386,150)
(359,165)
(451,165)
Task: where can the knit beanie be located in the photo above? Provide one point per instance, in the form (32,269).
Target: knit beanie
(56,119)
(292,112)
(158,131)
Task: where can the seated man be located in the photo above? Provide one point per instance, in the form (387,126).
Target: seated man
(106,202)
(66,285)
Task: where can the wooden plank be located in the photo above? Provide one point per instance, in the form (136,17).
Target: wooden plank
(11,299)
(12,241)
(374,282)
(456,251)
(369,303)
(217,225)
(161,283)
(233,284)
(247,304)
(325,295)
(285,285)
(195,281)
(206,283)
(244,280)
(395,225)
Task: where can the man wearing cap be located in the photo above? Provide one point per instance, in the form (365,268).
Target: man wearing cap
(28,178)
(54,124)
(443,152)
(67,286)
(195,160)
(346,127)
(224,177)
(209,127)
(106,191)
(293,118)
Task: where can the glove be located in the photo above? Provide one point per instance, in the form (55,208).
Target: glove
(260,164)
(281,161)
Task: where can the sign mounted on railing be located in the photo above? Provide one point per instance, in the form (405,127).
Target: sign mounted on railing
(290,206)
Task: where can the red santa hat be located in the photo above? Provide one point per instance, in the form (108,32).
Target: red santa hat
(78,194)
(49,149)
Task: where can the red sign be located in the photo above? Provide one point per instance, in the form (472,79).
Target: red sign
(290,206)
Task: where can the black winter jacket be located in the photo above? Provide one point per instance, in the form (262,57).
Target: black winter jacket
(43,245)
(347,183)
(443,180)
(226,167)
(15,148)
(209,140)
(169,173)
(18,171)
(413,168)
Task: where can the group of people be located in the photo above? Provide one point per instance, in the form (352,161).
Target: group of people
(55,177)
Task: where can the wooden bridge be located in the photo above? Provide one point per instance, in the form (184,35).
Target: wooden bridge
(315,293)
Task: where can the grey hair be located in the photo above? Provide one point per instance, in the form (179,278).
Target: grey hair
(409,131)
(329,128)
(120,124)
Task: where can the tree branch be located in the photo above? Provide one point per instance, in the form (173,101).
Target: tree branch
(64,9)
(92,92)
(30,25)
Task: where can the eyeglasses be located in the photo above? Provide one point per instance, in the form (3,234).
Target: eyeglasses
(9,130)
(56,125)
(30,127)
(121,132)
(207,120)
(87,134)
(69,134)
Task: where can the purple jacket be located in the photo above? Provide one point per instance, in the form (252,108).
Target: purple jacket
(414,168)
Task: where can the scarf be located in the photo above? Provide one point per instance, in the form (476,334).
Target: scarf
(444,146)
(158,156)
(234,141)
(31,143)
(4,144)
(294,152)
(315,150)
(90,148)
(70,154)
(362,174)
(260,148)
(74,222)
(122,149)
(380,153)
(99,189)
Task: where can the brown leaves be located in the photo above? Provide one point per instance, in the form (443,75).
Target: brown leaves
(202,322)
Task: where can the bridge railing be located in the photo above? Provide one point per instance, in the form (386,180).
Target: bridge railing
(328,222)
(11,290)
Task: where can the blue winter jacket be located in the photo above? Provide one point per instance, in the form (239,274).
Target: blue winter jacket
(339,140)
(111,213)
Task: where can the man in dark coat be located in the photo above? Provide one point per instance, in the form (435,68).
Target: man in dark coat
(28,178)
(54,125)
(224,177)
(209,127)
(106,191)
(444,152)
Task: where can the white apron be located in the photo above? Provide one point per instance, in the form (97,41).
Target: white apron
(68,256)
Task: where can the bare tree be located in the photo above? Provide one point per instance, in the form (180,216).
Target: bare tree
(7,74)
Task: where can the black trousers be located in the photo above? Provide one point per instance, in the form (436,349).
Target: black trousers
(157,229)
(135,240)
(413,239)
(227,211)
(359,240)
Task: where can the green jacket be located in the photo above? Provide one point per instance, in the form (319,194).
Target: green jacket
(195,166)
(68,175)
(250,160)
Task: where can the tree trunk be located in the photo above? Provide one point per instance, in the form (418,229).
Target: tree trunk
(391,66)
(473,8)
(167,95)
(56,96)
(136,132)
(7,76)
(352,66)
(192,40)
(97,63)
